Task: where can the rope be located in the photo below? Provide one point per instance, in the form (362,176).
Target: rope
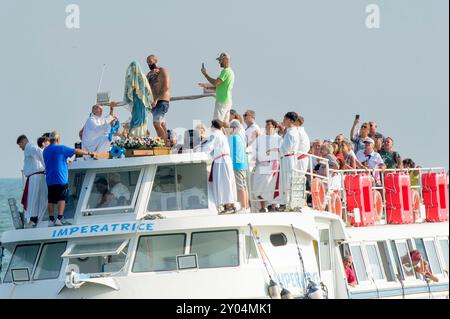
(301,259)
(262,257)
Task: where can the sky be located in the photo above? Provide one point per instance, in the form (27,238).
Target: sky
(315,57)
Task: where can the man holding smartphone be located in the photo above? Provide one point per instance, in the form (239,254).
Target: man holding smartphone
(223,86)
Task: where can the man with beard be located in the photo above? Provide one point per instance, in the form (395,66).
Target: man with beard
(159,81)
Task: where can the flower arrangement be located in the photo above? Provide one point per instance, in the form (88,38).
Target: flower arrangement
(139,143)
(117,152)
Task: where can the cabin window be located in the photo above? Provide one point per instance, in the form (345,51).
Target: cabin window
(386,261)
(443,243)
(76,179)
(216,248)
(374,261)
(50,261)
(179,187)
(88,249)
(278,240)
(433,257)
(428,251)
(5,257)
(98,257)
(358,263)
(24,257)
(403,259)
(115,190)
(158,252)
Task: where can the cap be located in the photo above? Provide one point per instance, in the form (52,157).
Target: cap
(223,55)
(368,140)
(233,112)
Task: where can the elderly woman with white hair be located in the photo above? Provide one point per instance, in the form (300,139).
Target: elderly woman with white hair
(240,165)
(326,151)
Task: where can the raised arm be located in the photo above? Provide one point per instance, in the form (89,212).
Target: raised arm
(214,82)
(352,131)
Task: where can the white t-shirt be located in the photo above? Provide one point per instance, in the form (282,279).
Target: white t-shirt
(373,159)
(251,133)
(120,190)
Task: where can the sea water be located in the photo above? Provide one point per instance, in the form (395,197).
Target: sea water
(9,188)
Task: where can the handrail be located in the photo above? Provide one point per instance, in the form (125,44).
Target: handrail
(329,173)
(381,186)
(309,173)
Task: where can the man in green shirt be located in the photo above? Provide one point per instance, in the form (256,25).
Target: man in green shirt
(390,157)
(223,86)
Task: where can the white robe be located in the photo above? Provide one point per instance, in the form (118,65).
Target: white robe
(223,186)
(95,134)
(303,148)
(288,162)
(267,166)
(37,186)
(251,133)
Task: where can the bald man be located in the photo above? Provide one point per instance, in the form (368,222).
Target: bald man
(159,81)
(94,134)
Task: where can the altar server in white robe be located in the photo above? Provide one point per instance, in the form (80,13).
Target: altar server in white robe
(288,149)
(267,167)
(94,135)
(303,146)
(34,198)
(221,178)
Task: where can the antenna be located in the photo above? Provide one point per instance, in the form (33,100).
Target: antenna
(101,78)
(102,97)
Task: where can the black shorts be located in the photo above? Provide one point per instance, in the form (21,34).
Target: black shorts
(57,193)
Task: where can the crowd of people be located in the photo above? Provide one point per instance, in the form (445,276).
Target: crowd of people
(247,162)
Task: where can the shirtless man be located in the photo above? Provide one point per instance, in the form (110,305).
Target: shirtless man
(159,81)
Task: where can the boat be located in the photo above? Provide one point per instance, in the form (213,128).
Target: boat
(164,238)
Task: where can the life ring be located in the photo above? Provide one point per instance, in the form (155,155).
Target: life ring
(378,205)
(415,204)
(336,204)
(318,194)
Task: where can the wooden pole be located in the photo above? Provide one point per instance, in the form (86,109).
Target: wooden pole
(173,99)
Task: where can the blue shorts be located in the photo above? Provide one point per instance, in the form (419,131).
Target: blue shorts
(159,111)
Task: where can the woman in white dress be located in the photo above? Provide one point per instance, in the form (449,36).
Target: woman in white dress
(221,178)
(267,167)
(287,150)
(303,146)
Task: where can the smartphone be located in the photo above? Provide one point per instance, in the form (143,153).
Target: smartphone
(357,117)
(203,65)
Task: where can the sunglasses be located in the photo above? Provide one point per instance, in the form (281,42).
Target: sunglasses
(363,126)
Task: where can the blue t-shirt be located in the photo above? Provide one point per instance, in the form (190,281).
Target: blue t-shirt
(55,158)
(238,155)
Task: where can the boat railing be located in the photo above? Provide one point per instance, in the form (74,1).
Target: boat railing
(298,186)
(378,184)
(334,182)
